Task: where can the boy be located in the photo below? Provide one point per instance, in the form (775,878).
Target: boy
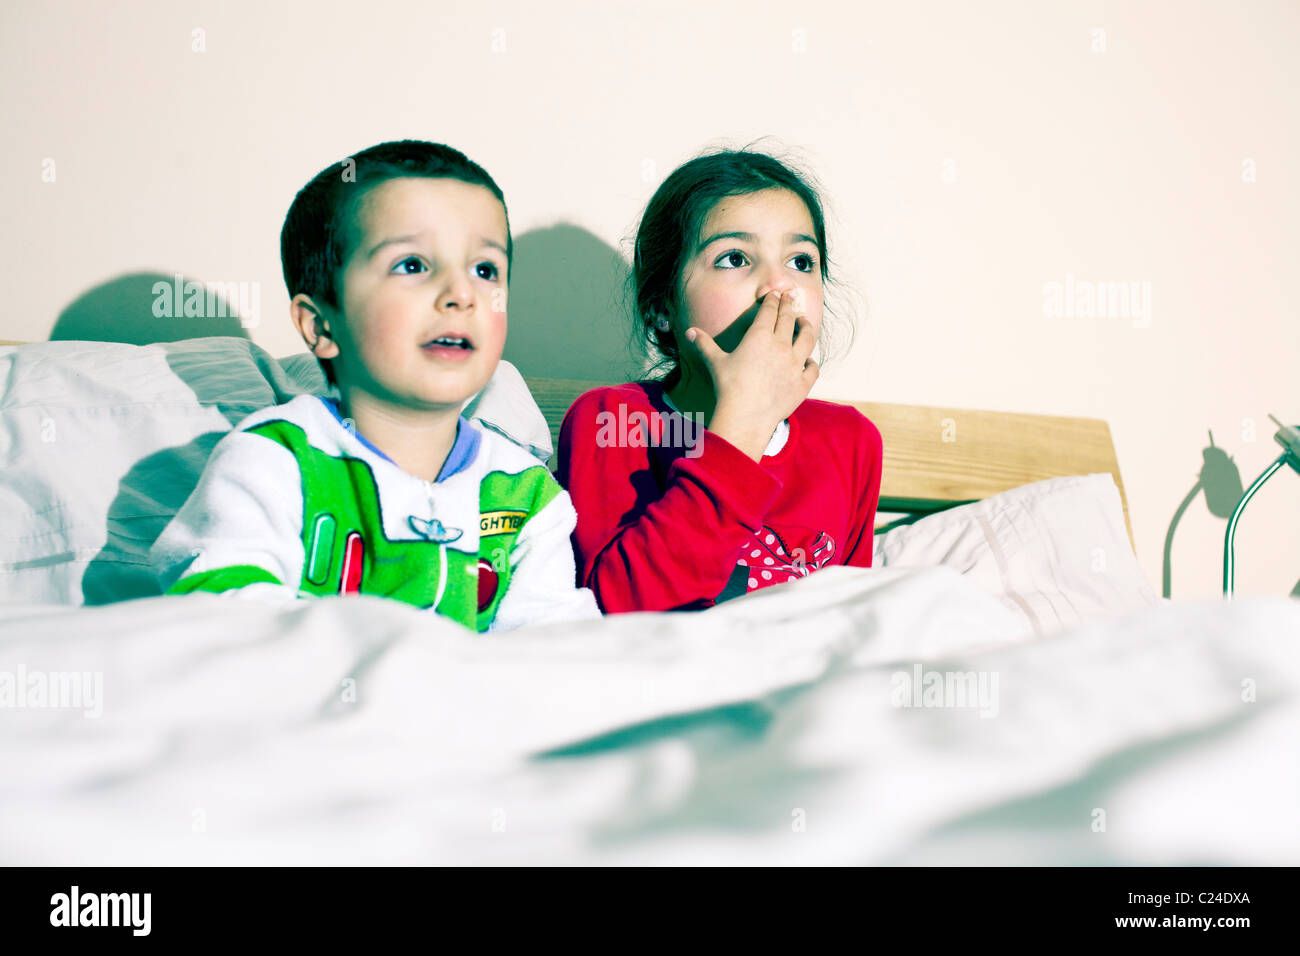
(397,262)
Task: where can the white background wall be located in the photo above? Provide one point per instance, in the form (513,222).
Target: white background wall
(970,153)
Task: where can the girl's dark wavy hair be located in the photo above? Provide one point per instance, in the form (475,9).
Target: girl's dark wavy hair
(319,232)
(670,228)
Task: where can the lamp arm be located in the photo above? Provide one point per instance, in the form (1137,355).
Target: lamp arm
(1228,569)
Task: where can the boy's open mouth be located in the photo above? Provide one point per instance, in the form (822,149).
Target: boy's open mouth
(449,346)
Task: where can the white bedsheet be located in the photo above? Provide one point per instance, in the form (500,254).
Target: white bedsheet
(765,730)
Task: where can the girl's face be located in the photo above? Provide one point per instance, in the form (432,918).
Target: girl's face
(748,246)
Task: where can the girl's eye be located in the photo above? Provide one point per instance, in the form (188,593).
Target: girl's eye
(730,260)
(804,262)
(404,267)
(487,270)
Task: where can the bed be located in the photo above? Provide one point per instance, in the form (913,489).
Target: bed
(1002,687)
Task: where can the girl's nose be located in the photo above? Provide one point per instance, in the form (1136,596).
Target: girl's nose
(778,282)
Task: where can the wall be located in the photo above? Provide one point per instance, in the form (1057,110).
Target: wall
(971,155)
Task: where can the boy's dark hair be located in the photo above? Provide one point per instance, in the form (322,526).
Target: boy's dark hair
(319,230)
(671,226)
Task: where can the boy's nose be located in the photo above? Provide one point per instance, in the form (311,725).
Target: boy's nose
(458,294)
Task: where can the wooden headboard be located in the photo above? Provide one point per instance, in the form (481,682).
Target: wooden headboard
(935,457)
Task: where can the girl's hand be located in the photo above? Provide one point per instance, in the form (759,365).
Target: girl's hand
(765,378)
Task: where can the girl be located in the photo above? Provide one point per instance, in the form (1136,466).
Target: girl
(729,272)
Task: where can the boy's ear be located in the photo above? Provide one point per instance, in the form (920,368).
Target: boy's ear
(313,326)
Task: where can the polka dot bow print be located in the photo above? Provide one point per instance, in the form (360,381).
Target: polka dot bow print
(770,562)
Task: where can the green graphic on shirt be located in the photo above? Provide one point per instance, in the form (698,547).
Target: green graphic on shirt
(224,579)
(341,502)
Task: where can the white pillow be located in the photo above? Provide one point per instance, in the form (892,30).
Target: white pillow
(102,442)
(507,407)
(1056,551)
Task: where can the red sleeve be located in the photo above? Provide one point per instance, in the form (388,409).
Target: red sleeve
(643,548)
(867,470)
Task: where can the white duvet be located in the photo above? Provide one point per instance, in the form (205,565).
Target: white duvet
(789,726)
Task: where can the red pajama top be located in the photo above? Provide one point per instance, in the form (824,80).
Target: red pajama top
(666,521)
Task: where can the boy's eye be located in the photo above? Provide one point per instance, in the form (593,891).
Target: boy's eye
(487,270)
(735,259)
(804,262)
(405,266)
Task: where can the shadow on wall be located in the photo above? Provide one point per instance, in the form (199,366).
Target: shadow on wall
(568,308)
(143,308)
(1220,479)
(568,314)
(146,307)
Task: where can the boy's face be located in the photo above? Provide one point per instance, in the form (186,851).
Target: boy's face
(423,293)
(748,246)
